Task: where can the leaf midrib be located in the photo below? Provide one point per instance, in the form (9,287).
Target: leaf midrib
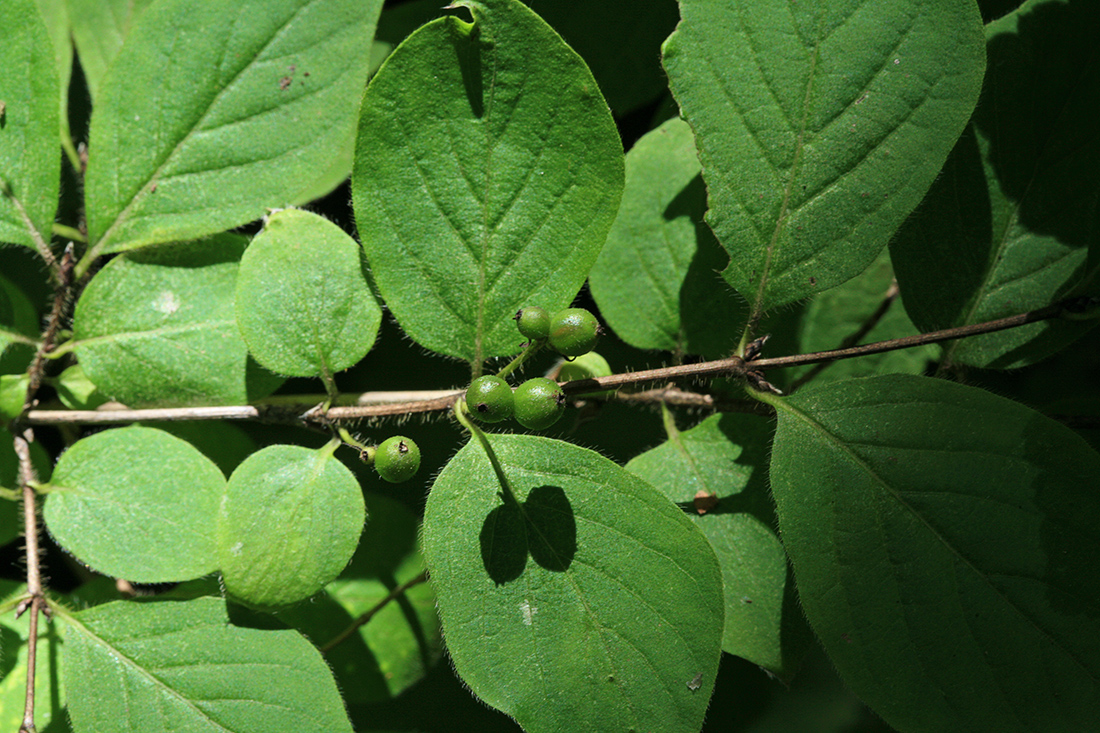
(143,189)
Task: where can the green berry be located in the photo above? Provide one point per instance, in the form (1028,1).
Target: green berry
(397,460)
(573,331)
(489,399)
(533,322)
(539,403)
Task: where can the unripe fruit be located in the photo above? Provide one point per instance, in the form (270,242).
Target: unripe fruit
(573,331)
(533,322)
(489,399)
(539,403)
(397,460)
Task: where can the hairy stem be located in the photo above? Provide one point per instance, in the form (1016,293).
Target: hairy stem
(34,600)
(304,408)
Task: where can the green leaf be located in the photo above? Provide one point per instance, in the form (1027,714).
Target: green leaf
(615,620)
(136,503)
(1012,223)
(76,391)
(181,666)
(18,327)
(945,544)
(487,174)
(14,632)
(13,393)
(260,96)
(157,327)
(11,516)
(100,27)
(820,126)
(55,14)
(289,522)
(30,167)
(656,280)
(833,317)
(400,643)
(303,303)
(725,456)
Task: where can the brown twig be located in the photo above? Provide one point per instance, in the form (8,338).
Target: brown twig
(28,479)
(308,410)
(35,597)
(373,611)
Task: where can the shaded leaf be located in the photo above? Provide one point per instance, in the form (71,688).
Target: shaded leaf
(303,303)
(18,328)
(30,167)
(725,456)
(656,280)
(289,523)
(1013,224)
(588,602)
(11,515)
(76,391)
(946,548)
(14,632)
(157,327)
(260,96)
(820,126)
(402,641)
(181,666)
(488,171)
(833,317)
(136,503)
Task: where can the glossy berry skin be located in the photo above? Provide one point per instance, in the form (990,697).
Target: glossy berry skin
(539,403)
(397,460)
(533,322)
(489,399)
(573,331)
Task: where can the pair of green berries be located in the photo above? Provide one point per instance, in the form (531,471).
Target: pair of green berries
(536,404)
(397,459)
(570,332)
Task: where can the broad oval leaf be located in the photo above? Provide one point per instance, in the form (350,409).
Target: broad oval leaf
(303,303)
(1012,223)
(820,126)
(288,524)
(726,457)
(158,327)
(182,666)
(945,543)
(656,280)
(137,503)
(260,97)
(30,167)
(587,602)
(487,173)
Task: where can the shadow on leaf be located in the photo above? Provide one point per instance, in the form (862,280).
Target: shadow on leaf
(543,526)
